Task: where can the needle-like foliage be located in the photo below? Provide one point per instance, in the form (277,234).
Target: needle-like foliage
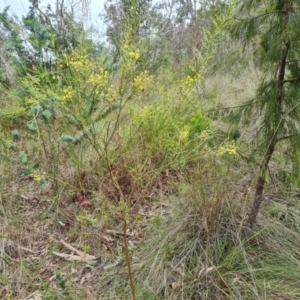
(274,27)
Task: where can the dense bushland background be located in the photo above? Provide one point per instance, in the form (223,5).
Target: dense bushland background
(157,162)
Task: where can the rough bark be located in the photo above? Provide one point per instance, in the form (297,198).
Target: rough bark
(258,198)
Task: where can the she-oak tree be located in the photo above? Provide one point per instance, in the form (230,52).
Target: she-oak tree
(275,24)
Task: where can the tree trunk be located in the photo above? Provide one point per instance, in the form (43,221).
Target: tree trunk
(258,198)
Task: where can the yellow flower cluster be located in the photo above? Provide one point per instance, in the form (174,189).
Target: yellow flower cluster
(67,94)
(142,81)
(229,149)
(112,94)
(78,62)
(184,134)
(189,82)
(37,176)
(134,55)
(129,51)
(99,80)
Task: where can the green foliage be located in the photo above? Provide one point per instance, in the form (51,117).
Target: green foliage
(67,104)
(51,293)
(275,110)
(16,135)
(172,131)
(45,34)
(126,17)
(3,77)
(23,158)
(197,124)
(61,280)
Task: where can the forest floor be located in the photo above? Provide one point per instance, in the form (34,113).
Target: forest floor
(56,249)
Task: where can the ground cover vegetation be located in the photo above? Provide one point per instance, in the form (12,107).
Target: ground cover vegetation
(159,164)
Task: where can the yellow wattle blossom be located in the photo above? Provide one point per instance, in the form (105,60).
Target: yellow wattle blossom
(68,93)
(135,55)
(37,176)
(99,80)
(130,52)
(184,134)
(112,94)
(142,81)
(76,61)
(189,82)
(230,149)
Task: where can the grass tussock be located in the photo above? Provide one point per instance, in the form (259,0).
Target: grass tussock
(198,253)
